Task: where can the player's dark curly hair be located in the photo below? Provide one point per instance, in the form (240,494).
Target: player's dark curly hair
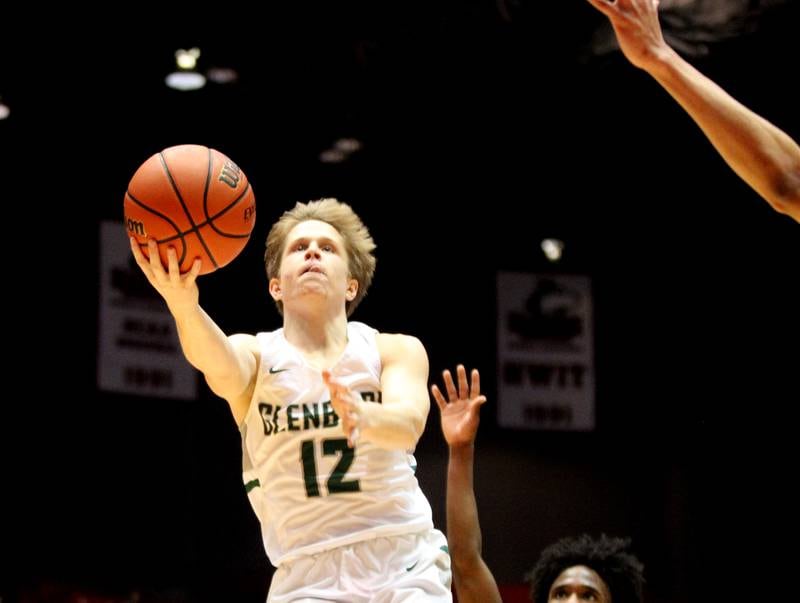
(609,557)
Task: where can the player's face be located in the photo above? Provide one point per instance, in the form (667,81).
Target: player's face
(577,584)
(314,261)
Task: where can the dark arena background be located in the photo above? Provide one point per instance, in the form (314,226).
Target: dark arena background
(484,127)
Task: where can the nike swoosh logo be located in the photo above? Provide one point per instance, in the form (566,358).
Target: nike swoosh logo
(408,569)
(273,370)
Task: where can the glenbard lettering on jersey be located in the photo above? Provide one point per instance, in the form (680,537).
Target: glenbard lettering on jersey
(300,417)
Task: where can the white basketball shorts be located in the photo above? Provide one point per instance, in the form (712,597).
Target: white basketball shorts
(398,569)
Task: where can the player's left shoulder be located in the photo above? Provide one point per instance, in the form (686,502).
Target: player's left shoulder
(393,346)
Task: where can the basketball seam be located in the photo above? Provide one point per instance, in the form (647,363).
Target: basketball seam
(211,219)
(177,192)
(167,219)
(198,227)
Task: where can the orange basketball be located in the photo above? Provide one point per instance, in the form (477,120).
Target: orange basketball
(194,199)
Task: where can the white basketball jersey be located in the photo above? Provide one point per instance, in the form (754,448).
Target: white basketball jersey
(309,490)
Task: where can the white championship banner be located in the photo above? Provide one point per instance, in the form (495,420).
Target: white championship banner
(545,352)
(139,352)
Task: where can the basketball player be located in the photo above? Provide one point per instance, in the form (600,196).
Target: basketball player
(761,154)
(472,578)
(572,569)
(601,569)
(329,412)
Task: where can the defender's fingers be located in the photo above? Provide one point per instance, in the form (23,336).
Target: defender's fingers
(475,389)
(437,395)
(605,7)
(449,386)
(463,391)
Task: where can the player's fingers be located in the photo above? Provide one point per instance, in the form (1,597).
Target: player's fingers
(437,395)
(463,391)
(331,382)
(337,399)
(339,391)
(191,276)
(142,262)
(155,258)
(334,386)
(603,6)
(342,412)
(475,389)
(449,386)
(172,263)
(137,253)
(352,439)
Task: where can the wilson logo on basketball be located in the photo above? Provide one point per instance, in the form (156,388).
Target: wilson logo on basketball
(135,227)
(231,174)
(249,212)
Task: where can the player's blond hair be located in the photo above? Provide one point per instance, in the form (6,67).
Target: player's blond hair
(357,240)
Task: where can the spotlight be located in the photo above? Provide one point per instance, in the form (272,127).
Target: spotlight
(552,249)
(185,77)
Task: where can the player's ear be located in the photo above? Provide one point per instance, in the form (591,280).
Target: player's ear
(352,289)
(275,288)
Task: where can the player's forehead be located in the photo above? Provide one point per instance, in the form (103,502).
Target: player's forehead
(314,230)
(580,576)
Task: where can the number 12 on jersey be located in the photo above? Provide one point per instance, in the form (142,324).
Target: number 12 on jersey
(336,482)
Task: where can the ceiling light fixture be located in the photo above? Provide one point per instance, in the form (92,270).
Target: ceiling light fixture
(552,248)
(185,77)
